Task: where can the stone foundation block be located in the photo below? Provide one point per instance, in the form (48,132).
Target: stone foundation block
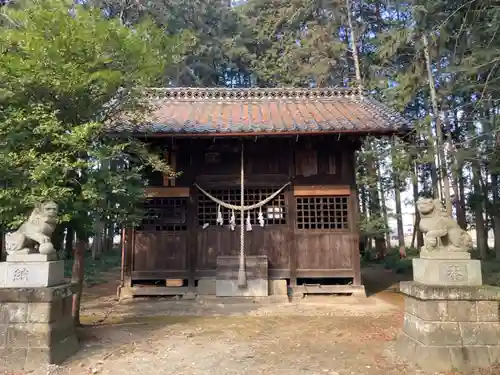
(256,268)
(449,327)
(206,287)
(447,271)
(434,359)
(36,327)
(28,274)
(230,288)
(278,288)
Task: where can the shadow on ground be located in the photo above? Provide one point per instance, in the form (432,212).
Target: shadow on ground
(377,279)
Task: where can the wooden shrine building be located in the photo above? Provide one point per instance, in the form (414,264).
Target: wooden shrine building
(291,152)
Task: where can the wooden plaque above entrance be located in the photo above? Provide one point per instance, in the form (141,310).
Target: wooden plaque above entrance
(167,192)
(312,190)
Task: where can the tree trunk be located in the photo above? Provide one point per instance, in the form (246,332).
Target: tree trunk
(110,237)
(70,239)
(99,240)
(3,253)
(482,244)
(496,213)
(442,164)
(77,277)
(354,46)
(58,238)
(383,207)
(375,209)
(399,216)
(416,229)
(363,198)
(461,210)
(496,217)
(436,187)
(460,207)
(397,198)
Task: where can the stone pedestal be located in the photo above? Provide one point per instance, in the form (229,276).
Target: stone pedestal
(450,327)
(36,327)
(226,284)
(456,272)
(31,271)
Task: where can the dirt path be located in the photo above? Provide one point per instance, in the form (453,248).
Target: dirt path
(312,336)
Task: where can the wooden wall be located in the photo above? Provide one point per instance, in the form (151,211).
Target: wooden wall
(311,230)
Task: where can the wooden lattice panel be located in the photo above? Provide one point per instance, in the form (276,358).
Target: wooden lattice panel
(323,212)
(164,214)
(274,212)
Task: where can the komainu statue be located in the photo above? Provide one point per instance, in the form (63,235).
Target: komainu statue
(441,232)
(35,233)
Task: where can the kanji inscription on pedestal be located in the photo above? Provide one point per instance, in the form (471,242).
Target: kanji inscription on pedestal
(20,274)
(453,273)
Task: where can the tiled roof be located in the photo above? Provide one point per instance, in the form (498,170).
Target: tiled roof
(215,110)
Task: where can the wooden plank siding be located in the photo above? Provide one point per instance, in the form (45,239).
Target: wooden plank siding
(271,242)
(293,250)
(160,250)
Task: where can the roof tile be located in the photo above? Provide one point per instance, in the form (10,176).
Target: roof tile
(214,110)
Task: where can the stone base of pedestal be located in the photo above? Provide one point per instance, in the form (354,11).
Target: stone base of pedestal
(448,327)
(36,327)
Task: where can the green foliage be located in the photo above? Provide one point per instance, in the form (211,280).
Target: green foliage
(94,268)
(63,76)
(297,42)
(392,261)
(215,57)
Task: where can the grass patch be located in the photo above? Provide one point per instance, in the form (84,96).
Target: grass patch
(93,268)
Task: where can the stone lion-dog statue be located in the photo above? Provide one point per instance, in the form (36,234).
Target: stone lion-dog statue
(441,232)
(35,233)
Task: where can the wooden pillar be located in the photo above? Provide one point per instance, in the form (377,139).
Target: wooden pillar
(292,217)
(353,224)
(192,237)
(127,256)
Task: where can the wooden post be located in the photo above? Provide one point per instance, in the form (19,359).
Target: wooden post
(353,223)
(127,256)
(292,218)
(192,238)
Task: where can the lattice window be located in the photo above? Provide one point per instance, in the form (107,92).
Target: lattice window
(323,212)
(274,212)
(164,214)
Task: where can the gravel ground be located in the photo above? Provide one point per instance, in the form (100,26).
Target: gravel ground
(311,336)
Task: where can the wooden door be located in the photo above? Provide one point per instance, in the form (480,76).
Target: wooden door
(215,240)
(160,243)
